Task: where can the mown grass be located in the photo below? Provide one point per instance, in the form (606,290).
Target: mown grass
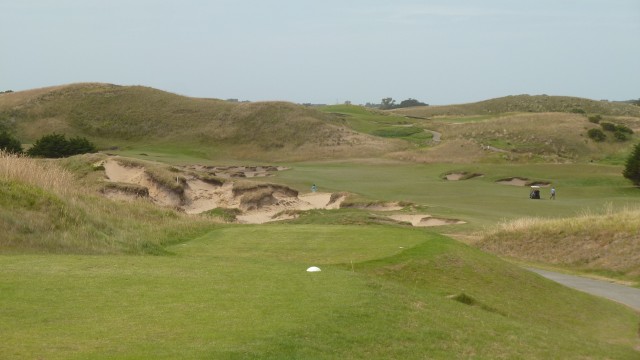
(243,292)
(379,123)
(480,201)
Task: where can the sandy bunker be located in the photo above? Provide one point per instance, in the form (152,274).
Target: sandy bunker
(259,204)
(425,220)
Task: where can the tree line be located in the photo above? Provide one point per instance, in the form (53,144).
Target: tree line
(389,103)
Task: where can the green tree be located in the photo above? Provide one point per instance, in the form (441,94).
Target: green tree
(387,103)
(632,167)
(57,146)
(411,102)
(9,144)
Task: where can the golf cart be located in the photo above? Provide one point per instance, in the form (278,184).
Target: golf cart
(535,192)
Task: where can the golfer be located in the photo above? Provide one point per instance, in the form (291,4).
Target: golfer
(553,193)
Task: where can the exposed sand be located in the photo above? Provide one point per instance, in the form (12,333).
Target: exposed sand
(460,176)
(136,175)
(303,202)
(200,196)
(424,220)
(514,181)
(455,176)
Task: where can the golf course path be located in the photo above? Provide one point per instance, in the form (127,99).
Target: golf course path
(620,293)
(436,136)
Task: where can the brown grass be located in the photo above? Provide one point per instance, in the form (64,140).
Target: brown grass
(45,208)
(38,173)
(605,242)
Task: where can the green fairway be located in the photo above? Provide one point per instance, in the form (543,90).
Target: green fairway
(243,292)
(480,201)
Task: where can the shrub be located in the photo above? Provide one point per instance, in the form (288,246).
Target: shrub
(578,111)
(9,144)
(595,119)
(624,129)
(57,146)
(607,126)
(620,136)
(596,135)
(632,166)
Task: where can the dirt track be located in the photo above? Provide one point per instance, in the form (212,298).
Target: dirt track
(619,293)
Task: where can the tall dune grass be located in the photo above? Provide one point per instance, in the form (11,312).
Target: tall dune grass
(44,208)
(608,241)
(41,173)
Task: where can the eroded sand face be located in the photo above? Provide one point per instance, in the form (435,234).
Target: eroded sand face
(424,220)
(281,202)
(200,196)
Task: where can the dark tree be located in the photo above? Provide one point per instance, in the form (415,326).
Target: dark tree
(411,102)
(632,167)
(57,146)
(387,103)
(9,144)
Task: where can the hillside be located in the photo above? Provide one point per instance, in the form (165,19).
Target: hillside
(120,116)
(526,103)
(510,137)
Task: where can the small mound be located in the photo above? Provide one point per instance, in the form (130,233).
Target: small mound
(228,172)
(418,220)
(514,181)
(539,183)
(455,176)
(389,206)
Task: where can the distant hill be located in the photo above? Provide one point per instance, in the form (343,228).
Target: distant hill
(527,103)
(116,116)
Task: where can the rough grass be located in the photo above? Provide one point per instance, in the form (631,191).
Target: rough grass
(606,242)
(45,208)
(526,103)
(121,117)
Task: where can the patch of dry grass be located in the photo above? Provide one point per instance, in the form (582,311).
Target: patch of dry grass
(45,208)
(608,242)
(38,173)
(526,103)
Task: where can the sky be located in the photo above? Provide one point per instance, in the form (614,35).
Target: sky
(326,52)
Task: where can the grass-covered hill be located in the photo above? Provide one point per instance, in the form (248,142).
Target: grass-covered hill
(493,131)
(120,116)
(527,103)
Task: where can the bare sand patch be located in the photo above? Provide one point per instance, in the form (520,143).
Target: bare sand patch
(518,181)
(117,172)
(515,181)
(258,202)
(228,172)
(461,176)
(455,176)
(422,220)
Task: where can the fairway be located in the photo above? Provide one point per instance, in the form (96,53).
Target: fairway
(243,292)
(479,201)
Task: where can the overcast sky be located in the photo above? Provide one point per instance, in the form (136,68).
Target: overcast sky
(436,51)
